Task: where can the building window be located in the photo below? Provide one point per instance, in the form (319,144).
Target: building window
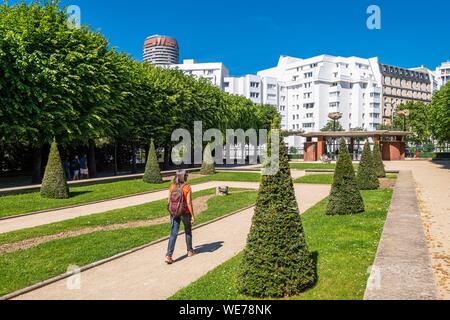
(254,84)
(308,75)
(334,105)
(254,95)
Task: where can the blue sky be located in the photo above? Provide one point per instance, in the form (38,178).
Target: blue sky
(250,35)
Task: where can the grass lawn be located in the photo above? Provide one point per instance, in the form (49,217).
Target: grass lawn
(316,179)
(328,178)
(316,166)
(345,247)
(27,267)
(152,210)
(30,202)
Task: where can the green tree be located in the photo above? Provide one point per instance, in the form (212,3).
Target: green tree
(345,197)
(152,171)
(440,114)
(54,184)
(276,261)
(208,166)
(329,127)
(417,122)
(367,178)
(56,80)
(378,161)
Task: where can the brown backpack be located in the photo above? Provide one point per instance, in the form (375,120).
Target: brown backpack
(177,203)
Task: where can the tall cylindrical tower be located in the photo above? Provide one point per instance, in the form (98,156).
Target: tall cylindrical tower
(161,50)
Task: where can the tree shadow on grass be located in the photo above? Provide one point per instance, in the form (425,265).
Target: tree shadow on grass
(315,257)
(204,248)
(74,194)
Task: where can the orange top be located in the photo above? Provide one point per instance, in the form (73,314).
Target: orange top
(186,190)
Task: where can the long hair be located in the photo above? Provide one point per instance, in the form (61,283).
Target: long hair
(180,177)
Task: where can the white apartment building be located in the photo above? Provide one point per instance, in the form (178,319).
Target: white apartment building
(310,89)
(215,72)
(443,74)
(260,90)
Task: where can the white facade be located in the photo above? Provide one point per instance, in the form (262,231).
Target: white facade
(311,89)
(443,74)
(260,90)
(215,72)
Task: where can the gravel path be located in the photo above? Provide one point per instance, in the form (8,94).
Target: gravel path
(433,190)
(143,275)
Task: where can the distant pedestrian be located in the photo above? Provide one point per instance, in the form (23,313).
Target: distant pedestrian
(181,210)
(76,168)
(66,165)
(84,171)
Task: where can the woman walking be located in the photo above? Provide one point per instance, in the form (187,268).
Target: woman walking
(181,210)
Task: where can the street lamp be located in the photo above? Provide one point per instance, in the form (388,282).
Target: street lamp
(335,116)
(404,114)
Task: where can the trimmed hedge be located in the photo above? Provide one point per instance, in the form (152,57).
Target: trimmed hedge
(208,166)
(276,260)
(345,197)
(367,178)
(378,161)
(54,184)
(152,170)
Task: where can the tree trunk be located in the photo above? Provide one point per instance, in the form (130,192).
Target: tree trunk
(167,154)
(36,165)
(92,165)
(115,158)
(133,160)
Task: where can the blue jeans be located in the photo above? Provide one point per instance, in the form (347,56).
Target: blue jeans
(175,227)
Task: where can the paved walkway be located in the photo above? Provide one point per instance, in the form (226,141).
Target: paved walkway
(86,210)
(402,268)
(433,189)
(143,275)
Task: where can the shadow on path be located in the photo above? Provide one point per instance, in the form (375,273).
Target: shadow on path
(204,248)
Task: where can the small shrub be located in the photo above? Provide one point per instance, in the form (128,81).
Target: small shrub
(276,261)
(367,178)
(152,170)
(54,184)
(208,166)
(345,197)
(378,161)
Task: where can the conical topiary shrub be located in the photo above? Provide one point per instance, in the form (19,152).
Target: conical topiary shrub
(276,261)
(54,184)
(345,197)
(367,178)
(208,166)
(152,171)
(378,161)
